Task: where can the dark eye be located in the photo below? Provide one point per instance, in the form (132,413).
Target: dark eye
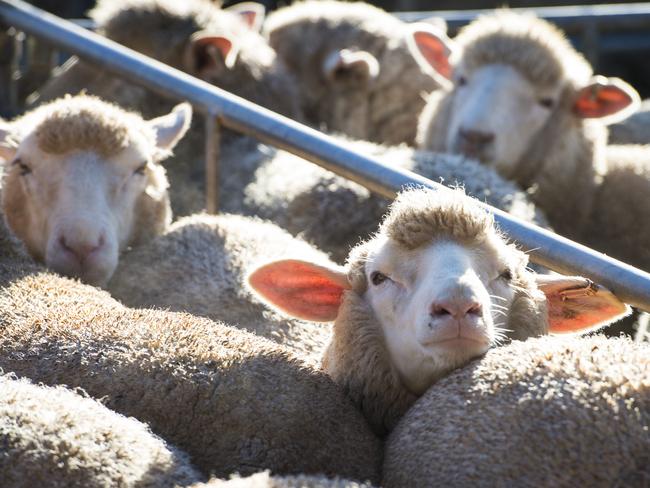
(378,278)
(546,102)
(24,169)
(506,275)
(462,81)
(140,169)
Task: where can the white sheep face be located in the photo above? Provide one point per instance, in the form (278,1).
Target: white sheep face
(496,113)
(80,206)
(76,210)
(439,306)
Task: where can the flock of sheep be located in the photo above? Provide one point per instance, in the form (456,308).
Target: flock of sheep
(314,334)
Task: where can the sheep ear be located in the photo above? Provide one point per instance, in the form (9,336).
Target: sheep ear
(431,48)
(251,13)
(210,53)
(577,304)
(8,146)
(172,127)
(358,67)
(301,289)
(609,98)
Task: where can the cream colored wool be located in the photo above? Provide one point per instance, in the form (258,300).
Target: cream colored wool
(335,214)
(384,109)
(548,412)
(233,401)
(57,438)
(200,266)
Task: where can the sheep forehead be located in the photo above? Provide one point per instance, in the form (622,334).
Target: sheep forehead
(536,48)
(87,124)
(417,217)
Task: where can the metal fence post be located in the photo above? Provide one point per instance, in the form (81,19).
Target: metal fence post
(212,150)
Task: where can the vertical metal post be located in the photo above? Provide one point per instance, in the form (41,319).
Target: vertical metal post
(6,72)
(212,150)
(591,40)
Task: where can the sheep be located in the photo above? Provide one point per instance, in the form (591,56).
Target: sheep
(635,129)
(58,438)
(84,181)
(356,74)
(232,401)
(526,103)
(434,288)
(546,412)
(200,267)
(335,214)
(206,42)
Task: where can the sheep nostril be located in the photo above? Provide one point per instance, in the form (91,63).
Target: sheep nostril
(439,311)
(63,244)
(474,309)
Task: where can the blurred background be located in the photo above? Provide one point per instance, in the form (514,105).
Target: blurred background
(616,45)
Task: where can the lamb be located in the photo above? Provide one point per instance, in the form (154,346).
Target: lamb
(57,438)
(233,401)
(335,214)
(84,181)
(209,43)
(356,74)
(543,125)
(200,266)
(434,288)
(546,412)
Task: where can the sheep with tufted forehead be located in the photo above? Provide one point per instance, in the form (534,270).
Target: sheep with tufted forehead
(335,214)
(233,401)
(204,41)
(545,412)
(526,103)
(84,181)
(356,74)
(435,287)
(58,438)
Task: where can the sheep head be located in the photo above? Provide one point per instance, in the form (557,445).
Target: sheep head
(439,286)
(84,181)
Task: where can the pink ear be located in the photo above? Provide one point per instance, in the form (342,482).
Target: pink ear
(210,50)
(251,13)
(604,97)
(431,47)
(301,289)
(577,304)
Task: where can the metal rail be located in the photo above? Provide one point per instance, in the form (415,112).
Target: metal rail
(555,252)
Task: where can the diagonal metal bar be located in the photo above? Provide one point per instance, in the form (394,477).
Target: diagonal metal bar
(555,252)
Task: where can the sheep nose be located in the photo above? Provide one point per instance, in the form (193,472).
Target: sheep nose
(457,309)
(81,249)
(475,140)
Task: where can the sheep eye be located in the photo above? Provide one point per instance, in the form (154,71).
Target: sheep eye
(506,275)
(140,169)
(378,278)
(546,102)
(462,81)
(24,169)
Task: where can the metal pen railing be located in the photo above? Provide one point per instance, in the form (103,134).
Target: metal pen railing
(222,108)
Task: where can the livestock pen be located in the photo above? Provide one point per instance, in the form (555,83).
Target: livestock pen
(223,109)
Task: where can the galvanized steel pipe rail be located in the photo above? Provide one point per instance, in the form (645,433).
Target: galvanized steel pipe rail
(555,252)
